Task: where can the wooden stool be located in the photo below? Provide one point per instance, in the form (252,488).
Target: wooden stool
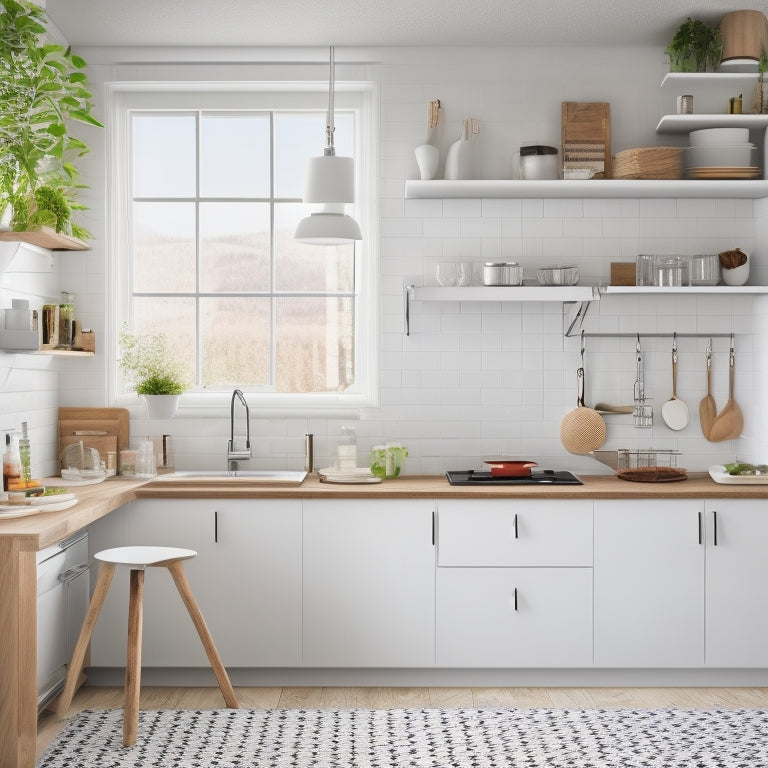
(138,559)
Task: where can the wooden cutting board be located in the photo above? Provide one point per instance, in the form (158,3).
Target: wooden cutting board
(115,422)
(586,137)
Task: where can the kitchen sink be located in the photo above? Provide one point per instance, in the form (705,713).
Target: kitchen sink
(265,476)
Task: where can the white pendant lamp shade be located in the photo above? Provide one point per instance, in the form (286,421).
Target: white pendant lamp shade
(330,181)
(329,226)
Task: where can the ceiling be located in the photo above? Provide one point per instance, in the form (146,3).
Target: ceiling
(377,23)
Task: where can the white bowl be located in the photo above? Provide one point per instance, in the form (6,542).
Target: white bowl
(720,156)
(707,137)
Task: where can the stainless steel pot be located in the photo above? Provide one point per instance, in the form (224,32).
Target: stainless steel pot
(502,273)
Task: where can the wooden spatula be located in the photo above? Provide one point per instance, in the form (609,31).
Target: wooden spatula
(707,406)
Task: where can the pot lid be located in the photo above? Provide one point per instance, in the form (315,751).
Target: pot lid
(538,149)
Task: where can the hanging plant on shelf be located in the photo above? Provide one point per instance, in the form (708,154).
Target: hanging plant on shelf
(694,47)
(761,89)
(42,89)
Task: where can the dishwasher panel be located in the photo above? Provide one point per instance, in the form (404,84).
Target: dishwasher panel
(62,602)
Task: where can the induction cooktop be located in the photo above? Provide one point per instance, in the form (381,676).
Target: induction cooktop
(478,477)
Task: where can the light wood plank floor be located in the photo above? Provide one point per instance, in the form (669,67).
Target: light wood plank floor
(87,697)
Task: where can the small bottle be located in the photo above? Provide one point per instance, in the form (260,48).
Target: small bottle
(346,448)
(11,462)
(25,455)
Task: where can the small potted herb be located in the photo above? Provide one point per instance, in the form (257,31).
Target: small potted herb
(694,46)
(151,369)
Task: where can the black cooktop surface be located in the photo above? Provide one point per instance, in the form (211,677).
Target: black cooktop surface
(537,477)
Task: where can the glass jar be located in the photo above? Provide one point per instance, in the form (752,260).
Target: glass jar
(66,320)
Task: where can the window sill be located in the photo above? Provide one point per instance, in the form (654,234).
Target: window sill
(216,405)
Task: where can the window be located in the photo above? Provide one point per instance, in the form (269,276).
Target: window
(207,254)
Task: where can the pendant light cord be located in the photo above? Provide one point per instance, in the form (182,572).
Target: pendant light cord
(330,127)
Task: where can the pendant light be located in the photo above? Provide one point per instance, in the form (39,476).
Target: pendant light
(330,181)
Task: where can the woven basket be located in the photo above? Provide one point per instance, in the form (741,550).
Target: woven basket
(648,163)
(652,474)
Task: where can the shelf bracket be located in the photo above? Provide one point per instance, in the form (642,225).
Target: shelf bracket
(575,317)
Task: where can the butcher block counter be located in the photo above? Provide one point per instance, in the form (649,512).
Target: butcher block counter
(22,537)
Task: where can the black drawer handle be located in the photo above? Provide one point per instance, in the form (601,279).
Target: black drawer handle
(515,598)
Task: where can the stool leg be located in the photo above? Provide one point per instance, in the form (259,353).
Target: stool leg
(133,664)
(182,584)
(106,572)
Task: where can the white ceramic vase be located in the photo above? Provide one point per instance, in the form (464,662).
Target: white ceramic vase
(161,406)
(427,158)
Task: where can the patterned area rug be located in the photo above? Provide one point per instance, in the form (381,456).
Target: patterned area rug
(416,738)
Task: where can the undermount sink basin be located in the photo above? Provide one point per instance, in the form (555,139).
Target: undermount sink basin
(265,476)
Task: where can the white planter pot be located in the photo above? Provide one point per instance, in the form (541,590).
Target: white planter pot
(736,276)
(161,406)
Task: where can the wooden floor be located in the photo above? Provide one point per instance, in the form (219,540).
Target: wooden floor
(385,698)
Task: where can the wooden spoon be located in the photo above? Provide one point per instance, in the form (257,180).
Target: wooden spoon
(707,406)
(730,421)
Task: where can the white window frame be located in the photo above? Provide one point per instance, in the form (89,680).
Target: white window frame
(122,99)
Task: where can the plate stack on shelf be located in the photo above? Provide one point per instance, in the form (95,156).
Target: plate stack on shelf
(720,153)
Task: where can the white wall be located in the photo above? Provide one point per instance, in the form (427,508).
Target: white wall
(472,379)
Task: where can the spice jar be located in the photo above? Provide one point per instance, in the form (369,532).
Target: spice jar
(66,320)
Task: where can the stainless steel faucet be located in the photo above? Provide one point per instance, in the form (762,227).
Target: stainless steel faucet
(235,455)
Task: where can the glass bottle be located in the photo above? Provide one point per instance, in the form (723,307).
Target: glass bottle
(346,449)
(66,320)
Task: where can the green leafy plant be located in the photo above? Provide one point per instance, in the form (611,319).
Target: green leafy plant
(42,89)
(694,46)
(148,365)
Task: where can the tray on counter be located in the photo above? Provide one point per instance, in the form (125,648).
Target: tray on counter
(719,475)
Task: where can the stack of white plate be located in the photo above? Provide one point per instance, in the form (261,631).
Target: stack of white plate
(720,153)
(355,476)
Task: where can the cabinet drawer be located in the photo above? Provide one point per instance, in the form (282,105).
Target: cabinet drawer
(506,532)
(514,617)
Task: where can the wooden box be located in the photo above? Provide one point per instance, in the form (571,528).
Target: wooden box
(623,272)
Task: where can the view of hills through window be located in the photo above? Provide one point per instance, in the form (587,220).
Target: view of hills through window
(216,201)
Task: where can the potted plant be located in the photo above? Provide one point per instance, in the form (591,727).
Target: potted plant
(42,89)
(151,369)
(761,89)
(694,46)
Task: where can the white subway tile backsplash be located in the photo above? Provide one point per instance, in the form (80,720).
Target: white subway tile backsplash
(476,378)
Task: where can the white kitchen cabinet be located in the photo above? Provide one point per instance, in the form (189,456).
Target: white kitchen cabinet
(246,578)
(514,617)
(514,583)
(649,585)
(737,583)
(369,583)
(509,532)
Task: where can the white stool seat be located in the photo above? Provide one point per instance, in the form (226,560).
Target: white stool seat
(142,557)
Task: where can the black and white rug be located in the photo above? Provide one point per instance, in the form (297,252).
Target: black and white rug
(416,738)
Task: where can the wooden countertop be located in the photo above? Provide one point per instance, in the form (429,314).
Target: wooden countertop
(95,501)
(40,530)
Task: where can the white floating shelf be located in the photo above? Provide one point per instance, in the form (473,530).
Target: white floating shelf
(656,290)
(598,188)
(505,293)
(687,123)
